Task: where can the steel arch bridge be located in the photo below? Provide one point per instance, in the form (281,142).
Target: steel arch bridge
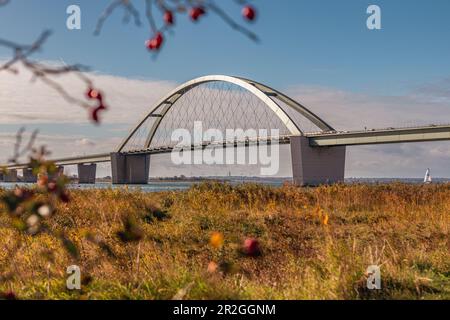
(224,102)
(251,104)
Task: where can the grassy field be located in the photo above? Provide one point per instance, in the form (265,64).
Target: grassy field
(315,243)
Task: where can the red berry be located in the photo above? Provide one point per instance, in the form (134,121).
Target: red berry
(251,247)
(150,44)
(94,94)
(249,13)
(156,42)
(89,93)
(159,39)
(196,13)
(168,17)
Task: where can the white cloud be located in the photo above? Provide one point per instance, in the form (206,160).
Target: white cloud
(22,100)
(353,111)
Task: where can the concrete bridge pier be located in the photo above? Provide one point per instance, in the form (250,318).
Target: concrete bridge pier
(316,165)
(130,168)
(86,173)
(10,176)
(28,175)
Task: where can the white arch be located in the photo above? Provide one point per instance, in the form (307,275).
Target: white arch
(261,91)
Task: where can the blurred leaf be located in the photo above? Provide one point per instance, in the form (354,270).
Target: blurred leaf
(132,231)
(70,246)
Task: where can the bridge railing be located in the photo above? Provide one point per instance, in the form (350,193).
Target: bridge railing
(283,139)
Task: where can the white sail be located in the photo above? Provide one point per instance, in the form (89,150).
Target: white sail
(427,178)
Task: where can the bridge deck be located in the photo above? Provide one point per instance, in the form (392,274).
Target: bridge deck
(382,136)
(322,139)
(106,157)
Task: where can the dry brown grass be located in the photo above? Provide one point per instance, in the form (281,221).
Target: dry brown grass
(316,244)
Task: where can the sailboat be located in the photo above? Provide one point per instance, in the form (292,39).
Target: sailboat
(427,178)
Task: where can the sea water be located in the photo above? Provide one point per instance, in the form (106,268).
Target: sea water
(157,186)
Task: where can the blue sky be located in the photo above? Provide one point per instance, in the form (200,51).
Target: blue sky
(318,51)
(321,42)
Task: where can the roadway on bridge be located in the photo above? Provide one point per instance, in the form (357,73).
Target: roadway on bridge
(381,136)
(317,140)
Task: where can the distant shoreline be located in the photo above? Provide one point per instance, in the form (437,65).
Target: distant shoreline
(175,184)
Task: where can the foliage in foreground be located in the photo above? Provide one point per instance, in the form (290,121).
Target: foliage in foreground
(312,243)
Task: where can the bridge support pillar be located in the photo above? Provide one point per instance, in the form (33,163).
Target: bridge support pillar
(86,173)
(10,176)
(28,176)
(318,165)
(130,168)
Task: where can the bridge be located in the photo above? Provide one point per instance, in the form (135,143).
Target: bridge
(317,150)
